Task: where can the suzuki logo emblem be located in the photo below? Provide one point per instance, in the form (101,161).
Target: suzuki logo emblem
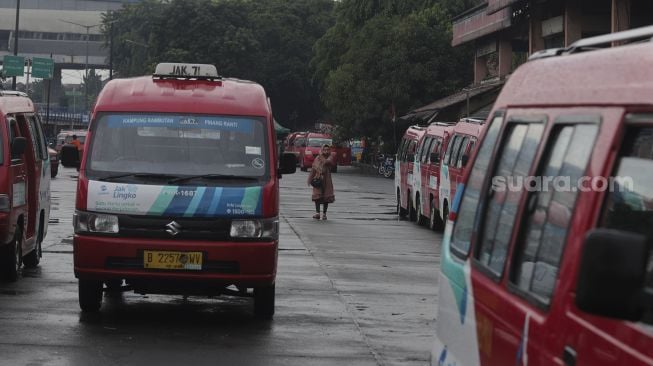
(173,228)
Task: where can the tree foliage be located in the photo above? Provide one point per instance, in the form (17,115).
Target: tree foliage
(388,56)
(268,41)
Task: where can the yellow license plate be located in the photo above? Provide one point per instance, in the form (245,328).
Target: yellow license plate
(155,259)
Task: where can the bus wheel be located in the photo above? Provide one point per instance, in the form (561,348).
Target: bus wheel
(400,211)
(264,302)
(412,213)
(435,222)
(421,219)
(90,295)
(13,256)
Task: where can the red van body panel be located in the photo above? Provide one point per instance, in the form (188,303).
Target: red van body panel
(485,317)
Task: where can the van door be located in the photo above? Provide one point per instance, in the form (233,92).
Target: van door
(33,173)
(595,340)
(18,177)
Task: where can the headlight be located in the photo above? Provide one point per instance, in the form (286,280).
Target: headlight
(5,203)
(255,229)
(89,222)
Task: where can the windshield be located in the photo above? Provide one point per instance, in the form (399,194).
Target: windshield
(178,146)
(318,142)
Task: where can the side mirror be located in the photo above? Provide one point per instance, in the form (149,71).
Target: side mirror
(435,157)
(287,163)
(612,274)
(465,159)
(18,146)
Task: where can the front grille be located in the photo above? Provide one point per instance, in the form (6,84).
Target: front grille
(211,229)
(227,267)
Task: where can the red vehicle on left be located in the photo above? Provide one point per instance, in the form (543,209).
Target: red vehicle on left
(24,184)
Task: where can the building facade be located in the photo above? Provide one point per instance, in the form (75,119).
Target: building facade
(506,32)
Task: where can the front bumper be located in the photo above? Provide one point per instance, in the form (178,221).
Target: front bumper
(244,264)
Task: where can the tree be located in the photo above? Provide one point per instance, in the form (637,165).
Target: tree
(393,56)
(268,41)
(94,84)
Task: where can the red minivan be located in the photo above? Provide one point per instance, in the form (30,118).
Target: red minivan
(24,184)
(310,147)
(460,145)
(404,171)
(427,166)
(178,189)
(547,258)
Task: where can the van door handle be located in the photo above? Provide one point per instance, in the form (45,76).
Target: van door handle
(569,356)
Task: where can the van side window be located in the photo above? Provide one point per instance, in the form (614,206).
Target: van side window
(629,205)
(435,148)
(550,210)
(37,143)
(43,145)
(14,132)
(464,226)
(453,144)
(412,146)
(514,160)
(462,151)
(424,155)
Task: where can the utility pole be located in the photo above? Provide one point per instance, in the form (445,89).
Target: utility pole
(13,80)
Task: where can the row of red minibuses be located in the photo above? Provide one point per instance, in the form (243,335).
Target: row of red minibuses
(547,255)
(429,166)
(306,147)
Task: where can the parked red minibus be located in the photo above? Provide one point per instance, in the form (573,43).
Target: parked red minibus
(404,171)
(460,145)
(427,169)
(547,257)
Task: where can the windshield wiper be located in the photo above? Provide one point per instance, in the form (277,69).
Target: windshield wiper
(136,175)
(212,176)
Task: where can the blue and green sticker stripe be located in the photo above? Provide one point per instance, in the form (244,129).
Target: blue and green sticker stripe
(207,201)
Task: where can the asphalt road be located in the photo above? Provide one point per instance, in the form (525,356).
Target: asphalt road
(357,289)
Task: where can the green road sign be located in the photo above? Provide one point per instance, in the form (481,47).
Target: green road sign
(42,68)
(13,65)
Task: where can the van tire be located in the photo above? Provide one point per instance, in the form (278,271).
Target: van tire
(13,256)
(90,295)
(421,219)
(33,258)
(435,222)
(445,211)
(335,169)
(401,212)
(412,213)
(264,302)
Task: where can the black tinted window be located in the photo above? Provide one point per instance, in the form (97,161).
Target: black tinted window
(464,226)
(461,152)
(454,144)
(629,205)
(550,209)
(515,159)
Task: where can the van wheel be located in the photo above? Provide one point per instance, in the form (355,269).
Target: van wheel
(33,258)
(412,213)
(400,211)
(90,295)
(335,169)
(421,220)
(264,302)
(13,256)
(435,222)
(445,211)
